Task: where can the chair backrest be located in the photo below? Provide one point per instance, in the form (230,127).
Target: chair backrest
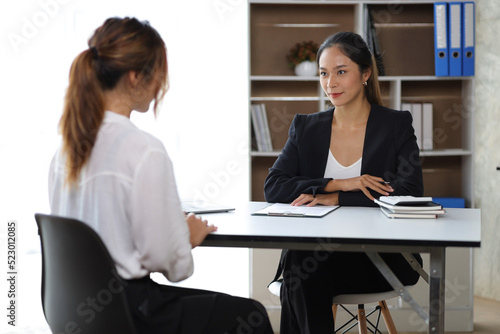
(81,290)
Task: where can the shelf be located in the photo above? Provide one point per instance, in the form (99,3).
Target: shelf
(435,153)
(404,25)
(265,154)
(381,78)
(298,25)
(282,78)
(291,98)
(421,78)
(446,153)
(427,97)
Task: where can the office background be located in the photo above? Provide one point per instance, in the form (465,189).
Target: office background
(203,122)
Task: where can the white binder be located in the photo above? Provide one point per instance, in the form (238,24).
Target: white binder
(427,127)
(416,111)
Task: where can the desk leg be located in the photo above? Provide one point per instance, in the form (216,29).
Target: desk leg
(416,266)
(396,284)
(436,290)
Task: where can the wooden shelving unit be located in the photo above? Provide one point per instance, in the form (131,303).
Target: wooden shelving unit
(405,32)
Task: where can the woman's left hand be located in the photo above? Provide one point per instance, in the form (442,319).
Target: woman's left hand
(310,200)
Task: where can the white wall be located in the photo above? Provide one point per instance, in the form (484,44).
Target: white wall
(487,178)
(203,121)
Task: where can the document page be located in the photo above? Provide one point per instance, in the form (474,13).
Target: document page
(282,209)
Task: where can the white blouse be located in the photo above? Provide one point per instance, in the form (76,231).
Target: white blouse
(127,193)
(337,171)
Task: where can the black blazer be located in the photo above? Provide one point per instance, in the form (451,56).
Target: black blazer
(390,151)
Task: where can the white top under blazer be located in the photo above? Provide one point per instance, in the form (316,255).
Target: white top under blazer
(127,193)
(337,171)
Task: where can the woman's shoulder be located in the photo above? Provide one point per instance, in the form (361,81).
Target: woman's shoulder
(385,113)
(141,148)
(315,117)
(143,142)
(306,123)
(121,130)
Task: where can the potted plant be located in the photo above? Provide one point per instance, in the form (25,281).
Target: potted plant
(302,57)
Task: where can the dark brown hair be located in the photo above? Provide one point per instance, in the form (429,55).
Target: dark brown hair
(115,48)
(354,47)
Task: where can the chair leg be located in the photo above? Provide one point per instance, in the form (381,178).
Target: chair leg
(391,328)
(334,311)
(362,320)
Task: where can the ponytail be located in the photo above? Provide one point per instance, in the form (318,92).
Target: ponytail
(83,114)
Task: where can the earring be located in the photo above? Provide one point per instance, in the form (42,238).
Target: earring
(365,83)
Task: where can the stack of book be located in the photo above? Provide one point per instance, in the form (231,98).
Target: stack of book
(409,207)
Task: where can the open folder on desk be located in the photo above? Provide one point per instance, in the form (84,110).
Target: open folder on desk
(287,210)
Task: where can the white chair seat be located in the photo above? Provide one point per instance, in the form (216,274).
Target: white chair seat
(364,298)
(275,288)
(348,299)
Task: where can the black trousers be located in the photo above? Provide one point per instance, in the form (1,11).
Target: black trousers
(312,278)
(166,309)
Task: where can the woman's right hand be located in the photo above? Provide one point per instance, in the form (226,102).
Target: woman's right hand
(361,183)
(198,229)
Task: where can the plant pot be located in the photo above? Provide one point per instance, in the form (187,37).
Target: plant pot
(306,69)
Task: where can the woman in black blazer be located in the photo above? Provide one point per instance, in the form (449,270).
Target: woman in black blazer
(347,155)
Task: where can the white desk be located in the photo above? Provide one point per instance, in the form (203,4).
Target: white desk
(356,229)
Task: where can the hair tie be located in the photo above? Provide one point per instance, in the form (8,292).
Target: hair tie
(94,52)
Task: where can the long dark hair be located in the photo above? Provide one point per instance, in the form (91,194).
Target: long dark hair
(115,48)
(354,47)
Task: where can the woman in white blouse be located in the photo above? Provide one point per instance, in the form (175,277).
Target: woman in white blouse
(119,180)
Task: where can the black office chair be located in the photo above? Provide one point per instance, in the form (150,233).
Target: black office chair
(80,286)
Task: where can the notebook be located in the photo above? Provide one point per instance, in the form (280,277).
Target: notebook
(414,214)
(401,208)
(405,200)
(199,207)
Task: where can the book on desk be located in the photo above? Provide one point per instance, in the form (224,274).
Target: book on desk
(409,207)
